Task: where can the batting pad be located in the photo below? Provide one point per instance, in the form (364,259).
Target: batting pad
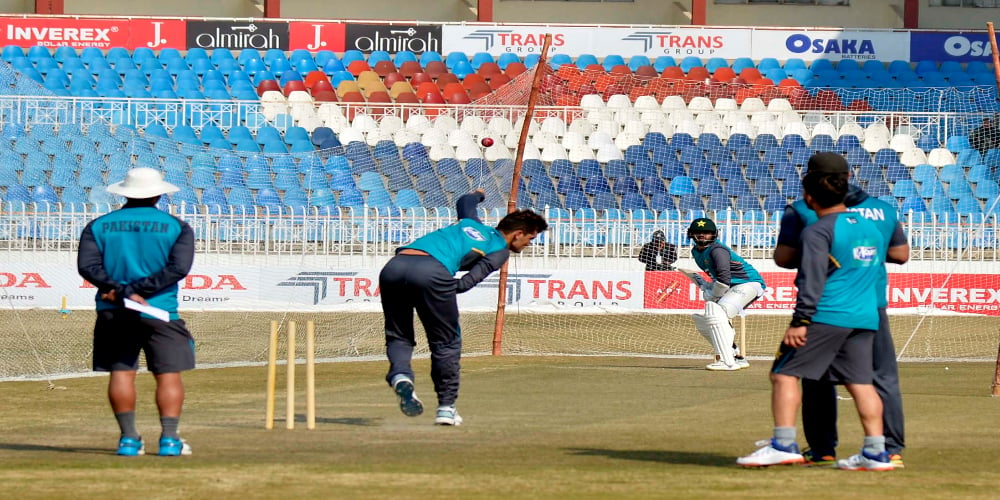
(740,296)
(719,332)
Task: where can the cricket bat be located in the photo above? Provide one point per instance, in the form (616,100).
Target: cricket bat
(693,276)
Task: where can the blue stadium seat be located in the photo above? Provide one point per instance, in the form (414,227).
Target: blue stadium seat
(576,200)
(691,202)
(597,184)
(662,201)
(748,202)
(625,185)
(979,173)
(633,201)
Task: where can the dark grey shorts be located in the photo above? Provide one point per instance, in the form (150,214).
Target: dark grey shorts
(832,353)
(120,334)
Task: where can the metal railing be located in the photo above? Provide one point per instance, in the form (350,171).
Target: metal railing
(336,232)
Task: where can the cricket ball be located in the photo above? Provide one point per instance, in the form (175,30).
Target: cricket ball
(486,142)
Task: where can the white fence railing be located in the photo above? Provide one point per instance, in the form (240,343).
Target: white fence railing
(171,113)
(372,232)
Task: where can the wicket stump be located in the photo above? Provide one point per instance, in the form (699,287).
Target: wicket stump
(272,375)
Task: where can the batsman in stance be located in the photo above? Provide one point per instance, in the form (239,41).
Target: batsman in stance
(819,398)
(422,276)
(735,284)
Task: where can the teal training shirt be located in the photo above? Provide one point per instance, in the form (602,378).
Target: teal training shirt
(725,266)
(843,259)
(879,212)
(452,245)
(137,249)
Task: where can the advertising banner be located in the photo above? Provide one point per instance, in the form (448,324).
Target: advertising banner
(237,35)
(315,37)
(157,34)
(575,40)
(950,46)
(677,42)
(831,44)
(55,32)
(239,288)
(393,38)
(960,293)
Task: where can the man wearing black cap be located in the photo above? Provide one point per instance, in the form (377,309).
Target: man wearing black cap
(819,399)
(658,254)
(735,284)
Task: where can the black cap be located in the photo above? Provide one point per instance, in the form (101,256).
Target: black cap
(659,236)
(702,225)
(827,163)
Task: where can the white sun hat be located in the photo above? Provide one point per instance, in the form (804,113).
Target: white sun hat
(141,183)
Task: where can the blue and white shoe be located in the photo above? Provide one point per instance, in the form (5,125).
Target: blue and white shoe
(447,415)
(173,447)
(409,404)
(864,461)
(772,453)
(131,447)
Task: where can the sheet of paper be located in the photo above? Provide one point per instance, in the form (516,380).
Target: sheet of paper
(155,312)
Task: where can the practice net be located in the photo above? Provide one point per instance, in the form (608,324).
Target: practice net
(301,236)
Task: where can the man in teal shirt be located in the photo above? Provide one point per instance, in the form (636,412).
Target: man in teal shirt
(140,253)
(421,277)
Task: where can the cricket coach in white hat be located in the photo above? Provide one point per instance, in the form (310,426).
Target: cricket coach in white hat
(139,253)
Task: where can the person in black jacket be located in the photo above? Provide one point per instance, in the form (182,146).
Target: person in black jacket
(658,254)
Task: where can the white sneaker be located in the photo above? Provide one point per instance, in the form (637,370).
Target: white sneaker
(447,415)
(772,454)
(864,462)
(742,363)
(719,366)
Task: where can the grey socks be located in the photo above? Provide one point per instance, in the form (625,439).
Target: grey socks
(785,436)
(169,425)
(126,422)
(874,445)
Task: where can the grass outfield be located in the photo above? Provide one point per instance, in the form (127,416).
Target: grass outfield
(535,427)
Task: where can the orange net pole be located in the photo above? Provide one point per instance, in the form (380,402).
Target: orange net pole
(514,184)
(996,73)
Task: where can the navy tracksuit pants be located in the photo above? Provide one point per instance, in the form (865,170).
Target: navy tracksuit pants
(421,283)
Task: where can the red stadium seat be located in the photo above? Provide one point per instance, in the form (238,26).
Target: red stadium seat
(724,74)
(646,71)
(292,86)
(358,67)
(489,68)
(384,68)
(321,86)
(497,81)
(410,68)
(419,78)
(699,73)
(435,69)
(621,69)
(446,78)
(392,78)
(673,72)
(325,96)
(266,85)
(314,77)
(514,69)
(472,79)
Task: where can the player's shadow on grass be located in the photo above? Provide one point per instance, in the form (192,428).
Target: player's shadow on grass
(60,449)
(300,418)
(662,456)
